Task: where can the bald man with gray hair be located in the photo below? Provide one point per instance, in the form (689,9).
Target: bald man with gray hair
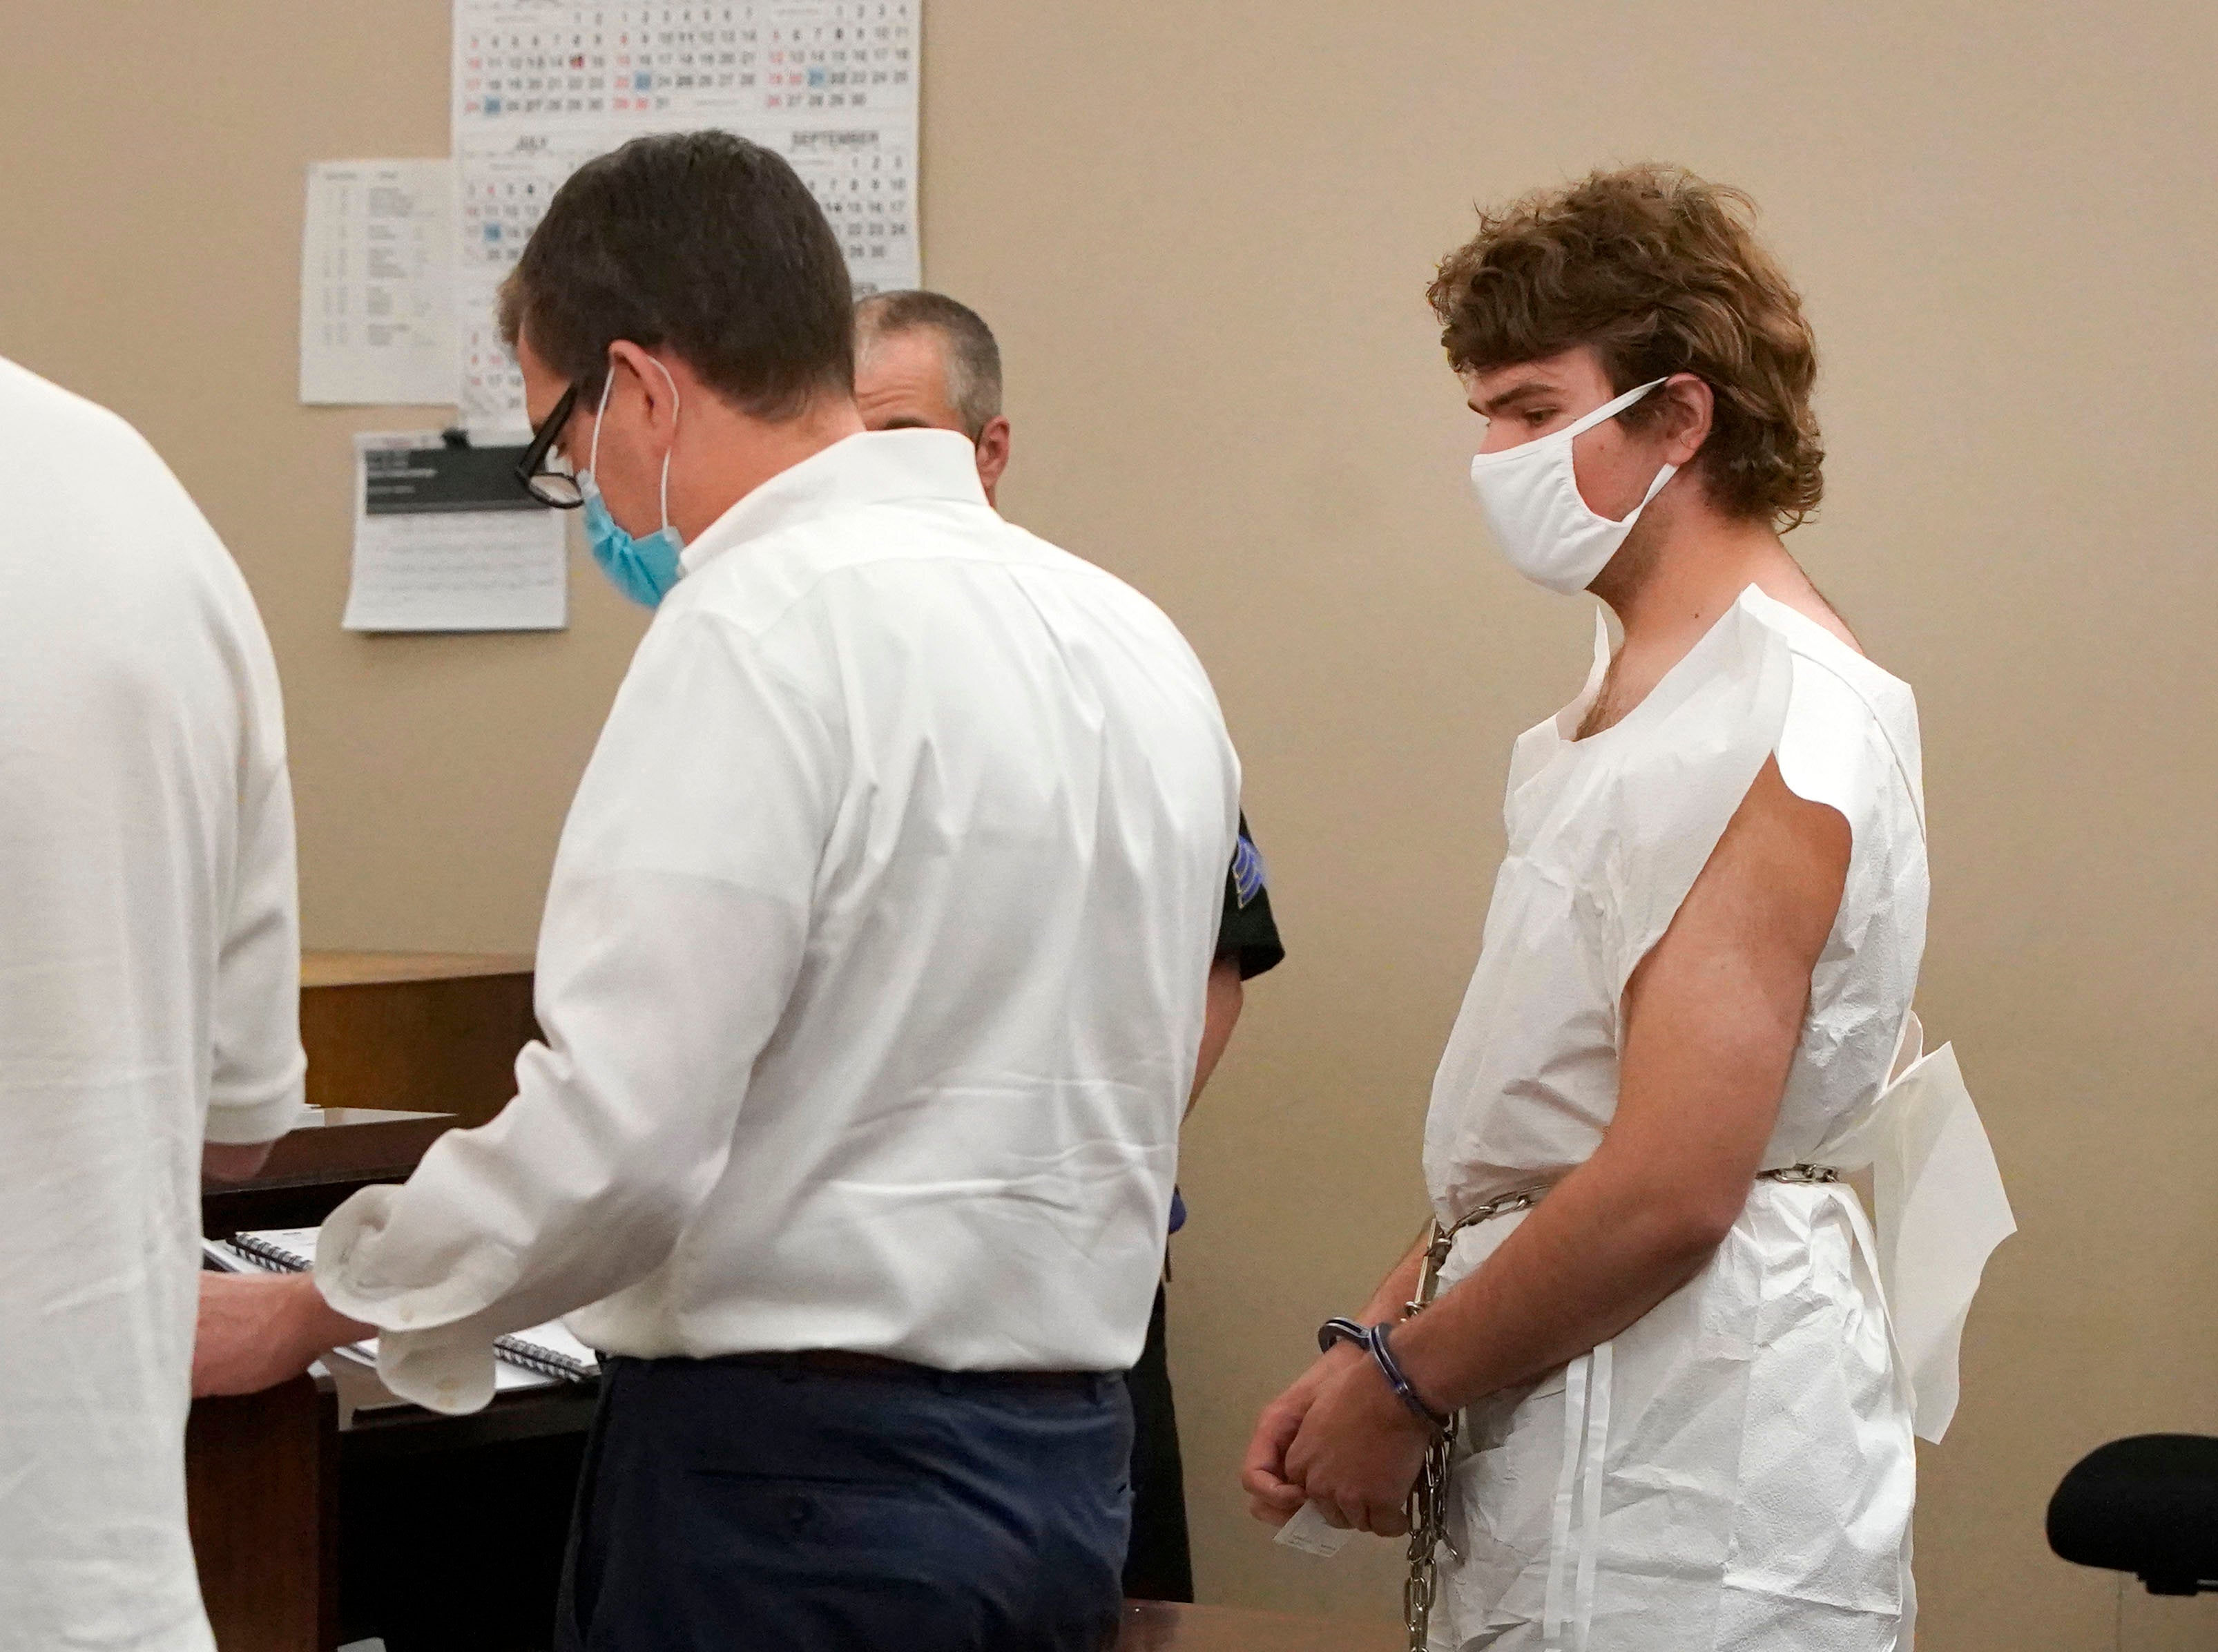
(924,362)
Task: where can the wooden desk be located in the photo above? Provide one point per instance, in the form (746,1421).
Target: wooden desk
(1155,1626)
(262,1500)
(311,1525)
(438,1532)
(435,1032)
(326,1157)
(320,970)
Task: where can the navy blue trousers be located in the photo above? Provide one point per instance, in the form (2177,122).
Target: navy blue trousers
(726,1505)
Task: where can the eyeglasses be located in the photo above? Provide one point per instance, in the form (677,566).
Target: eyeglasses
(550,481)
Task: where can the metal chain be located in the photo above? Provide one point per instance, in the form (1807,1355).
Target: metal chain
(1428,1502)
(1428,1498)
(1801,1175)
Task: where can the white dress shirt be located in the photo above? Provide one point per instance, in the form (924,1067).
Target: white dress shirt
(149,996)
(872,969)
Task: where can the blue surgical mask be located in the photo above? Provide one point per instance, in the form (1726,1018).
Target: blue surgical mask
(644,570)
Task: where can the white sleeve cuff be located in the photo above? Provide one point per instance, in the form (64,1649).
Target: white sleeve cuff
(443,1363)
(447,1370)
(249,1120)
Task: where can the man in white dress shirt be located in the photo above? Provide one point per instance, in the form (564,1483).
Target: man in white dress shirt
(149,1002)
(872,975)
(924,361)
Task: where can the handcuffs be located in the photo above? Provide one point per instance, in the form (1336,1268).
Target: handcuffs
(1372,1339)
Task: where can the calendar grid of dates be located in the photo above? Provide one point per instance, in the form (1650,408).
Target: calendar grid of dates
(542,86)
(759,57)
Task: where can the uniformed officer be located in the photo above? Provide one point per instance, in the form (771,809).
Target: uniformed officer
(925,361)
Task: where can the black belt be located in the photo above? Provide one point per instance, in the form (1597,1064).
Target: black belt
(842,1361)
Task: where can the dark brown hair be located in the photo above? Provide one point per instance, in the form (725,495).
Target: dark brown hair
(1660,273)
(700,241)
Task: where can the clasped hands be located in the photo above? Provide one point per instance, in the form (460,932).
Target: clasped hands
(1338,1438)
(258,1330)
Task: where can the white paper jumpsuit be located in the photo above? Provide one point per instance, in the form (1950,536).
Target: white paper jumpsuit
(1736,1470)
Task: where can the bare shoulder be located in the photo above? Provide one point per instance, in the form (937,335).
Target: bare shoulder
(1783,859)
(1792,589)
(1761,910)
(1773,807)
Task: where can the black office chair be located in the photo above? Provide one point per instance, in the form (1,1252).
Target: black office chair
(2147,1506)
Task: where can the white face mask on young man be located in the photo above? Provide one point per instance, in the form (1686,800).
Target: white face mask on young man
(1530,496)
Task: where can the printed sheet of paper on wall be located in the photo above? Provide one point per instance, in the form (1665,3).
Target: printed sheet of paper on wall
(542,86)
(445,540)
(377,304)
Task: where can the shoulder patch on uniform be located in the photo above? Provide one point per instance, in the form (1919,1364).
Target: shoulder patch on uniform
(1248,876)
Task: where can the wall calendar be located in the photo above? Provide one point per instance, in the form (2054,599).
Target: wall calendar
(542,86)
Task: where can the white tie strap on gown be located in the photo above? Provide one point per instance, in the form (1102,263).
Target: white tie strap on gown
(1735,1470)
(1941,1211)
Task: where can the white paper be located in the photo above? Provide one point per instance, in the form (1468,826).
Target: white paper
(489,570)
(540,86)
(507,1378)
(1312,1534)
(377,306)
(554,1338)
(298,1246)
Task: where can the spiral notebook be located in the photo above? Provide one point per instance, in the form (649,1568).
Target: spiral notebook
(547,1350)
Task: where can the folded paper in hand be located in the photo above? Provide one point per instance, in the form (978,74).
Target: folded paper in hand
(1310,1532)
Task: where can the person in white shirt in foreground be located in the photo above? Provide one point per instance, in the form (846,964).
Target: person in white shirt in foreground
(1665,1399)
(150,960)
(871,974)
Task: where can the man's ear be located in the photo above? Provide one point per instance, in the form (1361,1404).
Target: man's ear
(993,454)
(1690,407)
(641,373)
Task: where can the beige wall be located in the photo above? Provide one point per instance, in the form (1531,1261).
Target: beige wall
(1203,233)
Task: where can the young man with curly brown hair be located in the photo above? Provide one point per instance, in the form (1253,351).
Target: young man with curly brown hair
(1659,1392)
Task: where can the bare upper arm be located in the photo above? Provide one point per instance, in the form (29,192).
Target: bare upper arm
(1713,1014)
(1220,1014)
(222,1161)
